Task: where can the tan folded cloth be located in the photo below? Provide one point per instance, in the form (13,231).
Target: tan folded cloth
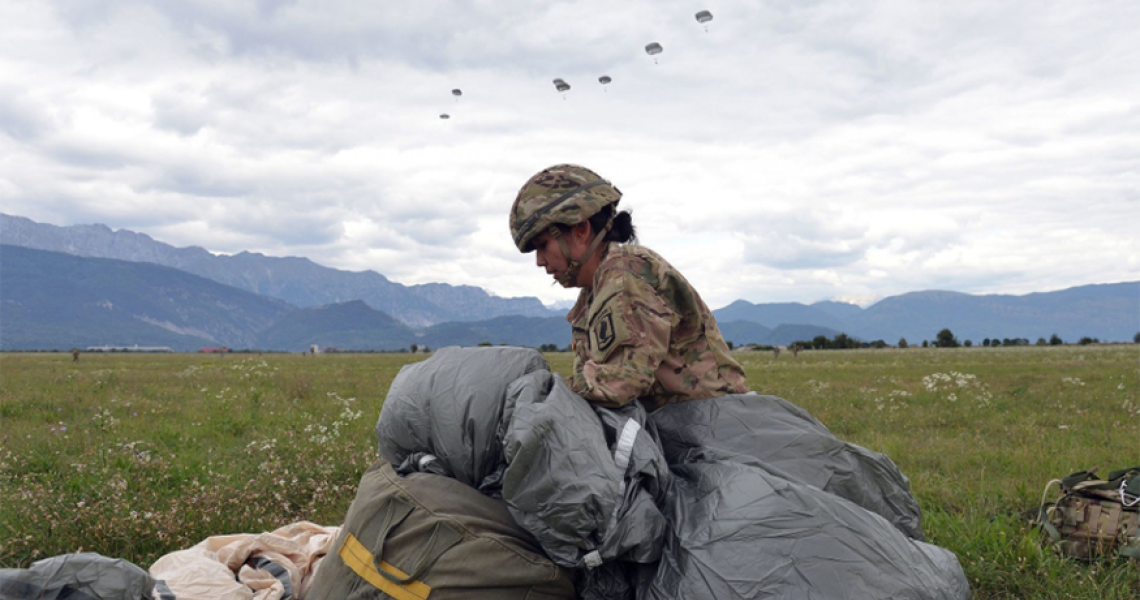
(207,571)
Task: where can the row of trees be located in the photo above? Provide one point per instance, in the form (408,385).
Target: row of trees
(944,339)
(842,341)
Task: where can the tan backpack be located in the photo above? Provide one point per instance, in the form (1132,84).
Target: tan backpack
(426,536)
(1095,518)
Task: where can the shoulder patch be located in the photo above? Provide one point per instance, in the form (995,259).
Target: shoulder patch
(608,330)
(603,331)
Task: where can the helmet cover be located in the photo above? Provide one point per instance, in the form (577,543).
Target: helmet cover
(558,195)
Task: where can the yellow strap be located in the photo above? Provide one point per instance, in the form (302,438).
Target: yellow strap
(360,560)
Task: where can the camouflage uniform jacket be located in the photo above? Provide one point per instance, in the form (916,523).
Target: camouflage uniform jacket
(643,332)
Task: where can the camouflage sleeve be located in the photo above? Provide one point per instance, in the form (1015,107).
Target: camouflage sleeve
(629,330)
(579,341)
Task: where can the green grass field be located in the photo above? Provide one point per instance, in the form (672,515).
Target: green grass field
(135,456)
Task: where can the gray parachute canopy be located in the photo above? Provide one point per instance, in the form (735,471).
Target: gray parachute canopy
(704,16)
(457,92)
(83,576)
(445,116)
(561,85)
(653,49)
(604,79)
(738,497)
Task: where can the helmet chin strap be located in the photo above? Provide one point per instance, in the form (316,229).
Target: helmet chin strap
(570,276)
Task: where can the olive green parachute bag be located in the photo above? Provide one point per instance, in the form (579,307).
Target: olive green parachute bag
(424,536)
(1095,518)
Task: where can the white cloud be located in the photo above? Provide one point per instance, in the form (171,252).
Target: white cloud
(795,151)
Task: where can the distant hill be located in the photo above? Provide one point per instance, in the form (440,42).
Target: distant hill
(50,300)
(348,326)
(55,301)
(840,310)
(357,326)
(786,334)
(741,333)
(516,330)
(298,281)
(773,314)
(1109,312)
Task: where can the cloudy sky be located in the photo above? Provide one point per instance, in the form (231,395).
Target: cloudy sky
(795,151)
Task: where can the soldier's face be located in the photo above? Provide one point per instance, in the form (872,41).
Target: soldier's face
(548,255)
(548,252)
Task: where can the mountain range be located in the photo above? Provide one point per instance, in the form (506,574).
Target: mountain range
(1109,312)
(298,281)
(63,287)
(50,300)
(355,325)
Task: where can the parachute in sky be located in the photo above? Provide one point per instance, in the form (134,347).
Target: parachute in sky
(457,92)
(445,116)
(653,50)
(704,17)
(561,86)
(604,80)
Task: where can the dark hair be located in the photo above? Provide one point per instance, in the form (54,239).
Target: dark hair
(622,231)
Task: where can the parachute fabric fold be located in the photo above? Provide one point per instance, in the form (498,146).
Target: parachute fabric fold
(447,409)
(84,575)
(785,438)
(740,531)
(587,500)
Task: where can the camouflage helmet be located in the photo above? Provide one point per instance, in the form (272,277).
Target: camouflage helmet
(558,195)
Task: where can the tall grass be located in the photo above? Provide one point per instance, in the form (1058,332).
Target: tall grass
(135,456)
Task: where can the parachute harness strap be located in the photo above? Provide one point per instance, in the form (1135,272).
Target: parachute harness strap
(1125,498)
(575,264)
(1045,512)
(572,268)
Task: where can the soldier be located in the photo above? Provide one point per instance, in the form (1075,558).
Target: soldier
(640,331)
